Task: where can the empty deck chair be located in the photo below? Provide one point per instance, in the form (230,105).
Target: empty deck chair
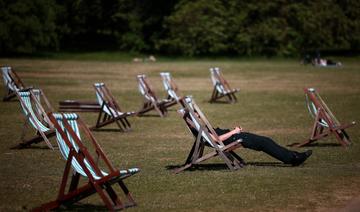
(98,170)
(325,122)
(170,87)
(221,87)
(35,107)
(151,102)
(201,129)
(110,110)
(12,82)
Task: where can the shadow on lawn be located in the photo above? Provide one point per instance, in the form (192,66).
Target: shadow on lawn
(149,115)
(219,166)
(33,147)
(318,145)
(108,130)
(82,207)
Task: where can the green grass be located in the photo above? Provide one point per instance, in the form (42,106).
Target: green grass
(271,102)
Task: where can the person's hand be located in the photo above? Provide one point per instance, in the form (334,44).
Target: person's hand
(238,129)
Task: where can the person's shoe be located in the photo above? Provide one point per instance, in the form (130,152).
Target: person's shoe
(301,157)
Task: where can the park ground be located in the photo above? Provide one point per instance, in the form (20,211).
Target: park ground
(271,102)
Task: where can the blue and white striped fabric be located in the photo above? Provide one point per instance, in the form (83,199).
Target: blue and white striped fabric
(65,150)
(313,110)
(8,81)
(166,78)
(197,125)
(100,99)
(27,108)
(143,88)
(215,72)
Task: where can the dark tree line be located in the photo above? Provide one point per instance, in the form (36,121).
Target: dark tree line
(185,27)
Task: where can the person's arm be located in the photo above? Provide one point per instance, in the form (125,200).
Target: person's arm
(227,135)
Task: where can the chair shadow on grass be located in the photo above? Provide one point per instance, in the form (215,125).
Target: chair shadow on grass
(148,115)
(200,167)
(218,102)
(316,144)
(108,130)
(221,166)
(268,164)
(324,145)
(33,147)
(82,207)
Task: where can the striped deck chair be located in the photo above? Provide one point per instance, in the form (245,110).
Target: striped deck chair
(110,110)
(35,107)
(98,170)
(12,83)
(151,102)
(325,121)
(170,87)
(221,87)
(201,129)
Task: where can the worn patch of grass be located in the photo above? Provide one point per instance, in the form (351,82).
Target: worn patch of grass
(271,102)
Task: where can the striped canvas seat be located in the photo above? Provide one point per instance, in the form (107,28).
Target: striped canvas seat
(100,180)
(27,108)
(221,87)
(65,150)
(36,116)
(313,110)
(205,136)
(325,122)
(12,82)
(170,87)
(8,81)
(216,81)
(110,109)
(151,102)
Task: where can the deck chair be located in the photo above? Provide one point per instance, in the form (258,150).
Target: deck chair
(35,107)
(170,87)
(110,110)
(201,129)
(151,102)
(325,121)
(83,164)
(221,87)
(12,82)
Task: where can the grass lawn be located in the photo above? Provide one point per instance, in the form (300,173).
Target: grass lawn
(271,102)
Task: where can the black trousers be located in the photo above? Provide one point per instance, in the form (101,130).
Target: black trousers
(265,144)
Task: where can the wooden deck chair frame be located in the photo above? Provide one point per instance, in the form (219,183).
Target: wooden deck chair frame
(36,115)
(171,88)
(325,122)
(196,155)
(151,102)
(12,83)
(221,87)
(85,165)
(110,110)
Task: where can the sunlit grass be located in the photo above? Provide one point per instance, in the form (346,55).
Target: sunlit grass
(271,102)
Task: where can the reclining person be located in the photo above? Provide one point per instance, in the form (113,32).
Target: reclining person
(326,62)
(258,143)
(262,143)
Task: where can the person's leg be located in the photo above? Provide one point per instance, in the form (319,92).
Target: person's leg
(267,145)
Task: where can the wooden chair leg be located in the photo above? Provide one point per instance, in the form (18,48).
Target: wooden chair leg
(113,196)
(74,182)
(127,193)
(104,197)
(342,138)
